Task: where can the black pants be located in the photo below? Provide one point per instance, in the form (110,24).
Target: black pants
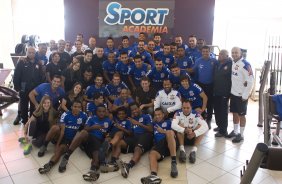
(221,112)
(208,89)
(25,106)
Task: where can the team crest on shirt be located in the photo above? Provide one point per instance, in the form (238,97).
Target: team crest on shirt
(191,122)
(191,93)
(143,57)
(167,60)
(164,124)
(79,121)
(236,67)
(143,73)
(106,124)
(162,75)
(225,68)
(37,66)
(185,63)
(140,120)
(171,97)
(119,90)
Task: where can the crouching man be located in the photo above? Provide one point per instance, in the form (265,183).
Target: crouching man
(190,128)
(164,145)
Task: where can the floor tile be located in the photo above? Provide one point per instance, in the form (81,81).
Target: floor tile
(55,174)
(204,153)
(21,165)
(207,171)
(117,179)
(224,162)
(3,171)
(195,179)
(6,180)
(217,146)
(12,155)
(226,177)
(70,178)
(28,177)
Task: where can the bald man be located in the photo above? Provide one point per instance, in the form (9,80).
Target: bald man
(221,92)
(28,74)
(242,82)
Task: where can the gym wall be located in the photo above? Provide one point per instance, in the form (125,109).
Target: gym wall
(191,17)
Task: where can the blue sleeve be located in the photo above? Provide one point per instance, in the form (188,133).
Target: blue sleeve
(39,89)
(117,102)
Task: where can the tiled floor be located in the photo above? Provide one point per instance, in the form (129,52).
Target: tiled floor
(219,161)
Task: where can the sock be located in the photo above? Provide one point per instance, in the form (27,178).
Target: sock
(94,167)
(242,131)
(194,148)
(181,147)
(51,163)
(236,128)
(173,159)
(113,159)
(154,173)
(131,163)
(68,154)
(46,143)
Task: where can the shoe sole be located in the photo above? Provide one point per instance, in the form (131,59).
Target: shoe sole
(124,173)
(145,181)
(90,177)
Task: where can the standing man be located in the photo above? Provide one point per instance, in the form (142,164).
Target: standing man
(242,82)
(28,74)
(204,69)
(192,52)
(221,92)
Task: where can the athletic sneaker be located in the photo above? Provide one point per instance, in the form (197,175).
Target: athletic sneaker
(27,149)
(41,151)
(174,171)
(151,179)
(92,175)
(232,134)
(124,168)
(110,167)
(218,134)
(63,165)
(45,169)
(238,138)
(22,140)
(182,156)
(192,157)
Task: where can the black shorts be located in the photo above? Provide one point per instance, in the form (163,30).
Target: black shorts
(66,141)
(237,105)
(144,141)
(93,143)
(162,148)
(189,142)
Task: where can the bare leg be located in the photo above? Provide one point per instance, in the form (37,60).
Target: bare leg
(154,156)
(171,142)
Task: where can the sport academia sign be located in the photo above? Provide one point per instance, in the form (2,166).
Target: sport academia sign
(128,17)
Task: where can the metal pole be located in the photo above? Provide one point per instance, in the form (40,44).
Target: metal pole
(252,167)
(264,78)
(266,119)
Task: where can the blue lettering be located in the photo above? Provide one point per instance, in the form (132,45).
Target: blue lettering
(137,16)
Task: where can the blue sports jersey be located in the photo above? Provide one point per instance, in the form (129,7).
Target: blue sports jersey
(184,63)
(41,57)
(158,48)
(192,94)
(112,90)
(110,68)
(128,50)
(72,123)
(146,56)
(193,54)
(118,101)
(138,73)
(45,89)
(91,107)
(145,119)
(204,70)
(108,50)
(166,125)
(91,90)
(106,123)
(123,123)
(167,60)
(157,77)
(175,80)
(123,70)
